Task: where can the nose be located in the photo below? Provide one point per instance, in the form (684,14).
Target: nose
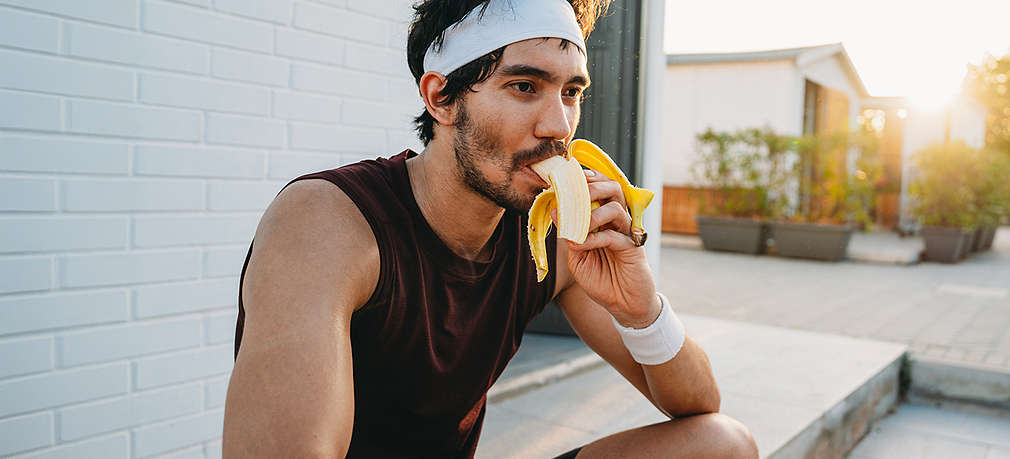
(553,122)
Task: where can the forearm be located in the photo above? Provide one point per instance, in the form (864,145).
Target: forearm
(684,385)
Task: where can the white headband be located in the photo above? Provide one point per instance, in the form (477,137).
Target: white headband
(504,22)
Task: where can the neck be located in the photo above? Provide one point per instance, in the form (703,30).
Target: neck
(461,217)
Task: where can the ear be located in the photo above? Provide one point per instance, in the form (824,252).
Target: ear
(430,87)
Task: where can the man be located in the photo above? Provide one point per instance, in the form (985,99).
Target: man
(377,313)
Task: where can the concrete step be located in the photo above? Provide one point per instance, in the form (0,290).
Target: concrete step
(959,384)
(799,392)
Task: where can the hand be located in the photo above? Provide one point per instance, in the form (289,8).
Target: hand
(608,266)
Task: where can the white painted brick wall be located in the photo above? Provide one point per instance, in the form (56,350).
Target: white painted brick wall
(140,142)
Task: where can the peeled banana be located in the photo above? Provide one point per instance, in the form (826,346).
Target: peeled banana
(569,194)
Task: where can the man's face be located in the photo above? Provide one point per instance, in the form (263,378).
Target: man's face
(525,112)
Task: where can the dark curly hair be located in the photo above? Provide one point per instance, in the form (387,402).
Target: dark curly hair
(433,17)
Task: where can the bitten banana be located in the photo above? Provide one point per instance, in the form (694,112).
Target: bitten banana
(569,194)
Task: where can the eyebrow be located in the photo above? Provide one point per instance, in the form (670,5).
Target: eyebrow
(529,70)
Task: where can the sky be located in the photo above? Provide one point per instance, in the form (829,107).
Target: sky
(918,49)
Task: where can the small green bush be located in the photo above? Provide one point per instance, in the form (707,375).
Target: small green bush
(947,186)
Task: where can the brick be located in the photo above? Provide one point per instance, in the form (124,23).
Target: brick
(289,165)
(26,432)
(31,195)
(224,261)
(376,59)
(24,356)
(193,452)
(183,297)
(177,433)
(38,234)
(29,31)
(29,111)
(250,67)
(184,366)
(197,162)
(45,312)
(131,340)
(212,450)
(235,130)
(204,94)
(160,231)
(278,11)
(390,9)
(220,327)
(336,138)
(136,409)
(89,195)
(87,117)
(112,446)
(25,274)
(205,26)
(310,46)
(128,47)
(215,391)
(404,91)
(27,154)
(337,81)
(306,107)
(241,196)
(379,114)
(61,76)
(62,387)
(129,268)
(399,140)
(116,12)
(340,23)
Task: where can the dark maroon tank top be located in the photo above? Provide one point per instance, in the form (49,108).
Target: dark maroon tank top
(438,329)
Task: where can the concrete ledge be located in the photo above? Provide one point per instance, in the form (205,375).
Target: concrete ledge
(842,426)
(959,382)
(539,378)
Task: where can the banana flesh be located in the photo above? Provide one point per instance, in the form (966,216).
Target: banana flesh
(569,194)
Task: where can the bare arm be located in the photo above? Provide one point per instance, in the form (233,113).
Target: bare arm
(313,263)
(682,386)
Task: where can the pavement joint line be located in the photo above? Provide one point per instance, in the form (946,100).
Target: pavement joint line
(542,377)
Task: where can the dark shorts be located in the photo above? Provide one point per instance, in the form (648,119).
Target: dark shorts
(570,455)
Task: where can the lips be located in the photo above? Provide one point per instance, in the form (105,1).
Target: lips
(535,177)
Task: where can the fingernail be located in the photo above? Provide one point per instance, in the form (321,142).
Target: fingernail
(590,172)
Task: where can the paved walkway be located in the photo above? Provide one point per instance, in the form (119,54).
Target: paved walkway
(958,312)
(924,432)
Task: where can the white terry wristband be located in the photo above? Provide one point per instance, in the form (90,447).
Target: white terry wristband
(657,343)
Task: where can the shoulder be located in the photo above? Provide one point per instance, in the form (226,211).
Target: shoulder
(315,230)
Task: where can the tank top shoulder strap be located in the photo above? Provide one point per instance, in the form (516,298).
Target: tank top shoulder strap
(371,186)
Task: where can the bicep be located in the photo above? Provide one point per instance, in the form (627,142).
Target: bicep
(291,390)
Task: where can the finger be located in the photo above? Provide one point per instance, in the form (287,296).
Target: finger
(606,190)
(554,216)
(604,239)
(614,214)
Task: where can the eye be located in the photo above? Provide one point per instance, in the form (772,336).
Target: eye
(523,86)
(573,92)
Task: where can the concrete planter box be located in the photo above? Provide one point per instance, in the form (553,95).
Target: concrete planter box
(987,237)
(944,244)
(969,243)
(810,240)
(729,234)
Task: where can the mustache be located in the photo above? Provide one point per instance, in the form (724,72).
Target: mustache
(539,153)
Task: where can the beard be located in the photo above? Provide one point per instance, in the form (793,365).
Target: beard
(473,144)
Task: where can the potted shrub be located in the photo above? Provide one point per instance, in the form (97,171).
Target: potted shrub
(734,171)
(832,203)
(992,195)
(946,202)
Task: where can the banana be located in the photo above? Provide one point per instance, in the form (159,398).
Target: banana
(569,194)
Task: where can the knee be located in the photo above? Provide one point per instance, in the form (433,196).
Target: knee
(735,439)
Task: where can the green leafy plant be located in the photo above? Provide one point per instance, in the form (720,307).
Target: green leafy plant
(991,186)
(828,193)
(944,188)
(740,172)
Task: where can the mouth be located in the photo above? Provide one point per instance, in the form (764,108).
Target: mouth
(535,177)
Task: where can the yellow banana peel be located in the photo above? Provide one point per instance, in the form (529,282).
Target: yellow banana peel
(569,194)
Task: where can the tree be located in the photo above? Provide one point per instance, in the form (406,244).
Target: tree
(989,83)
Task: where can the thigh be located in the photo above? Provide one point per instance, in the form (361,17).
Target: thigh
(706,435)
